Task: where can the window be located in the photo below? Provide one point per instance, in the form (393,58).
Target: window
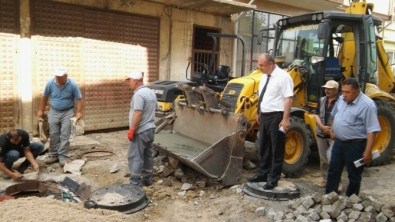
(391,55)
(249,26)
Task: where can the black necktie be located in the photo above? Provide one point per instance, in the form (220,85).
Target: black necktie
(263,92)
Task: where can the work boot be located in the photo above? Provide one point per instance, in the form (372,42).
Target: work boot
(135,180)
(62,162)
(50,159)
(147,181)
(270,185)
(258,178)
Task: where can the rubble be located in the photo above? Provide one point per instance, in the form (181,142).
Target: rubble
(74,166)
(168,168)
(260,211)
(332,207)
(186,186)
(114,168)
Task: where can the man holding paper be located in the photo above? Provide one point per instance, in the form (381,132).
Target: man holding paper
(354,130)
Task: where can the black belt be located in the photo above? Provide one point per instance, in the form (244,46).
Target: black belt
(273,113)
(354,141)
(62,109)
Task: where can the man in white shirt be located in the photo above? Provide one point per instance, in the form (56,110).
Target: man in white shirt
(274,106)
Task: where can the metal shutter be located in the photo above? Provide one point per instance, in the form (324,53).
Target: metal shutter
(99,48)
(9,37)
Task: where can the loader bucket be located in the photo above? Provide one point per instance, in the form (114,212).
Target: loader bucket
(209,140)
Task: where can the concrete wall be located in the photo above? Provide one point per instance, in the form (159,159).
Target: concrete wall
(287,10)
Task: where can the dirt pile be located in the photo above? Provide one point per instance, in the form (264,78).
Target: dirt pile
(44,209)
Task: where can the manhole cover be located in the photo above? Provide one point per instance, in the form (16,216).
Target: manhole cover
(284,191)
(126,198)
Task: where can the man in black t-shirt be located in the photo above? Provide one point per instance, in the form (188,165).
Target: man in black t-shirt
(16,144)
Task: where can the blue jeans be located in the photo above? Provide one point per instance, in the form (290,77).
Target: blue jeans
(344,154)
(13,155)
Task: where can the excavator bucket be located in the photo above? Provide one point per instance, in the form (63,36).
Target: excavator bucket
(205,137)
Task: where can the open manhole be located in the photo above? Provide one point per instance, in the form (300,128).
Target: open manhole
(126,198)
(59,191)
(284,191)
(28,188)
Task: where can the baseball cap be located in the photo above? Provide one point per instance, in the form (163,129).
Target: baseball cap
(331,84)
(60,71)
(134,75)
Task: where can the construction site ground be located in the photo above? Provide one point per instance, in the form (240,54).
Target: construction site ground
(169,200)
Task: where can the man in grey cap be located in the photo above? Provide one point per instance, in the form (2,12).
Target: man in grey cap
(141,130)
(65,102)
(324,122)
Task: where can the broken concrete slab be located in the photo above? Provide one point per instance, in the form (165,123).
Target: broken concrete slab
(74,166)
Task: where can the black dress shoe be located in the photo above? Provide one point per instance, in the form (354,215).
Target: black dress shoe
(269,186)
(257,178)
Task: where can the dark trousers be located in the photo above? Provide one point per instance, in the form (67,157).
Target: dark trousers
(140,156)
(271,146)
(344,153)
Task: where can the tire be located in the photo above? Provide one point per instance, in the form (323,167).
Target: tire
(385,140)
(297,147)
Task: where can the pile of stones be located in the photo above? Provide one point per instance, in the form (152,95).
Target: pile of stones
(334,207)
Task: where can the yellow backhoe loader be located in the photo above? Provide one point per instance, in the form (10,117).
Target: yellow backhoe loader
(209,131)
